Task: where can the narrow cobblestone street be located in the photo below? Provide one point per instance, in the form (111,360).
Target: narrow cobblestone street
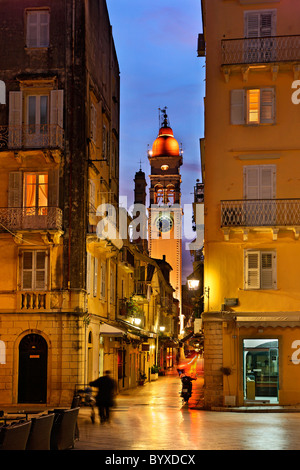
(151,417)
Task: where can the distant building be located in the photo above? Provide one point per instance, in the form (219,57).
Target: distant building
(165,212)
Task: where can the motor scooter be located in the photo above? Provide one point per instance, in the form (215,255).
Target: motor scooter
(187,386)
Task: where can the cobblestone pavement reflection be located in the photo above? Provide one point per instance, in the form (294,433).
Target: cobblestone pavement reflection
(151,417)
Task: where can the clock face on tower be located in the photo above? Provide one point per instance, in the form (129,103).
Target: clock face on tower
(164,223)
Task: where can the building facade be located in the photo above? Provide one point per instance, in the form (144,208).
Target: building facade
(250,164)
(59,145)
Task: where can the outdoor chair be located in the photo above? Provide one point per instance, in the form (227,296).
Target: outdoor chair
(14,436)
(63,429)
(40,432)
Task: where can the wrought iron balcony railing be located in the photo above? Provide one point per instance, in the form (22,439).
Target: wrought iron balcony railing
(260,50)
(31,136)
(140,288)
(260,213)
(30,218)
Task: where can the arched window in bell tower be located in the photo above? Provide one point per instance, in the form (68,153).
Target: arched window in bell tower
(170,194)
(159,195)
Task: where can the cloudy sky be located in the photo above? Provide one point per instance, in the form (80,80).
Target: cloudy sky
(156,44)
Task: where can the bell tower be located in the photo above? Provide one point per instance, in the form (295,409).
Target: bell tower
(165,213)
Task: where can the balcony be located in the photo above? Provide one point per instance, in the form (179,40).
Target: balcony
(260,52)
(23,218)
(31,137)
(261,213)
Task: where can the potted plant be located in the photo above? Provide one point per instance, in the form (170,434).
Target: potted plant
(154,372)
(142,378)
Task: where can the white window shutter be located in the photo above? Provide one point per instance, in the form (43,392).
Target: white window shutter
(92,194)
(103,279)
(251,182)
(252,270)
(88,272)
(56,117)
(57,107)
(95,285)
(252,24)
(267,105)
(93,123)
(267,182)
(237,107)
(53,188)
(268,23)
(15,119)
(27,270)
(268,266)
(40,270)
(15,189)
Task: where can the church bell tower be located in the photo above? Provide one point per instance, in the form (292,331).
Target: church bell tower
(165,213)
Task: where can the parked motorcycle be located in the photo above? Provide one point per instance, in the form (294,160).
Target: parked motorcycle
(187,386)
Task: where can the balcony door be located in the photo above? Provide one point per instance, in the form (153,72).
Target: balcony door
(37,133)
(259,30)
(259,190)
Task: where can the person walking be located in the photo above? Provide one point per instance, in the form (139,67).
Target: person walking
(105,397)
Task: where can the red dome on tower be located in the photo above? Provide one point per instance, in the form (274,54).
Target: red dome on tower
(165,144)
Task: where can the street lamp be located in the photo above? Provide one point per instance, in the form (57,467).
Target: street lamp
(193,284)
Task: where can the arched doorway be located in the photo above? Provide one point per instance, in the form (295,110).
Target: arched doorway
(33,355)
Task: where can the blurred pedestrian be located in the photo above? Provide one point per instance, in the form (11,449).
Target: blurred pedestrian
(105,398)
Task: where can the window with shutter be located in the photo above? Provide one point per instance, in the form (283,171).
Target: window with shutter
(260,270)
(93,123)
(103,280)
(237,109)
(259,25)
(95,280)
(252,106)
(88,272)
(259,190)
(34,270)
(37,28)
(15,119)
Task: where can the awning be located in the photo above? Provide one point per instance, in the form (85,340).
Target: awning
(109,330)
(265,321)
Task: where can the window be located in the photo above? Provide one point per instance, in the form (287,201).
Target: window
(260,23)
(37,117)
(260,270)
(35,193)
(38,28)
(103,281)
(34,270)
(33,190)
(260,29)
(259,181)
(95,280)
(93,123)
(253,106)
(42,112)
(259,191)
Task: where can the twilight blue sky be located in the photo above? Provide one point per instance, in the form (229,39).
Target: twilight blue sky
(156,44)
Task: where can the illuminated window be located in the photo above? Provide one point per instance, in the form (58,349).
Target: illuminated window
(36,193)
(253,106)
(253,98)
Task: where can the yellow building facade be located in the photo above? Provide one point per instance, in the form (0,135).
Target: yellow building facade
(250,163)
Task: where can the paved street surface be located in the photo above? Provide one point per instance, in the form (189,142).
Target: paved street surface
(151,417)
